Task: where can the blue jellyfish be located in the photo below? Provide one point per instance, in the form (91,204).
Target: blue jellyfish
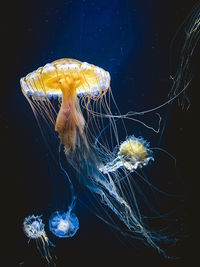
(63,224)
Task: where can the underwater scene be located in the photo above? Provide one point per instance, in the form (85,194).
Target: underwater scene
(99,117)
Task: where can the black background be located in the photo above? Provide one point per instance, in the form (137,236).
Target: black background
(130,39)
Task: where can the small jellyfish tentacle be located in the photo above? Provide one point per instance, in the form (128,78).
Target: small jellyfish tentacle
(191,35)
(42,245)
(112,166)
(111,198)
(105,187)
(73,196)
(137,153)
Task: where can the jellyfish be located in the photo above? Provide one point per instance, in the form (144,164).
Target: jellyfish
(67,78)
(81,90)
(34,229)
(65,224)
(133,153)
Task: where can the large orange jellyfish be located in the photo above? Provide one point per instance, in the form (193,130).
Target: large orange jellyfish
(67,78)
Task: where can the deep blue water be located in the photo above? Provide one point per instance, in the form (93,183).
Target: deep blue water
(131,40)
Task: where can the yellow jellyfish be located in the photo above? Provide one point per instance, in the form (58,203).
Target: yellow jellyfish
(67,78)
(133,153)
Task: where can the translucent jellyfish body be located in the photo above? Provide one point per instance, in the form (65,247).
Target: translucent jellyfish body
(133,153)
(63,224)
(34,229)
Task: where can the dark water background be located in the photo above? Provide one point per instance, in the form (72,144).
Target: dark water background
(130,39)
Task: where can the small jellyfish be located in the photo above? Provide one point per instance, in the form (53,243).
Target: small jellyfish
(34,229)
(133,153)
(63,224)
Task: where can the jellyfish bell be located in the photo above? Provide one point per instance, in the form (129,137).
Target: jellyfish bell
(63,224)
(33,227)
(67,79)
(134,152)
